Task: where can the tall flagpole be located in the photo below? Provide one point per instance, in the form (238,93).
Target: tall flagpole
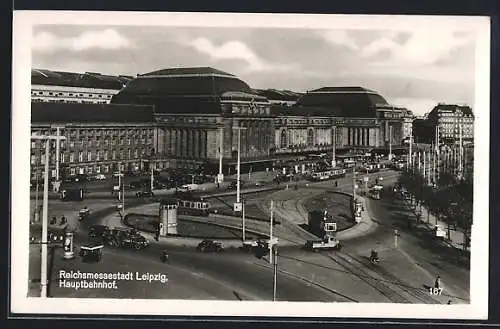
(424,166)
(271,233)
(44,242)
(419,161)
(429,168)
(334,140)
(410,152)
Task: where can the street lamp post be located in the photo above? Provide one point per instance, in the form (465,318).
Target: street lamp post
(238,170)
(410,155)
(390,143)
(121,188)
(243,222)
(334,140)
(43,269)
(220,177)
(275,271)
(152,179)
(271,233)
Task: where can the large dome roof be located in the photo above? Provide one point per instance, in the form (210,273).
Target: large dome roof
(185,90)
(341,101)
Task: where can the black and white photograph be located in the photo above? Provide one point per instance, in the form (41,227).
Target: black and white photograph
(250,165)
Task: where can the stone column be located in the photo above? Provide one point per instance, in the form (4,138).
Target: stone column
(184,142)
(173,142)
(377,137)
(190,143)
(166,142)
(386,131)
(203,144)
(196,144)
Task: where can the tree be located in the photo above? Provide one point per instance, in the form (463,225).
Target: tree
(427,198)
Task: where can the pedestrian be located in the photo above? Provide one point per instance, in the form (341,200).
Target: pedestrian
(53,220)
(63,220)
(437,283)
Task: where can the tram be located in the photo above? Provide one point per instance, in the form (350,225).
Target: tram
(190,205)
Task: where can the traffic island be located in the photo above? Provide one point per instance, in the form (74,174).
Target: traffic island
(187,228)
(337,205)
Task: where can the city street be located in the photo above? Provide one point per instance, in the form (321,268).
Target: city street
(403,275)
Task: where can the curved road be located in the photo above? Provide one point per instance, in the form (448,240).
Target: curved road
(192,275)
(343,276)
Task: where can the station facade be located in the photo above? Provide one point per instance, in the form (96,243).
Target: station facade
(188,117)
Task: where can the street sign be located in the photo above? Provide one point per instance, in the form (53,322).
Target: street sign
(220,178)
(238,206)
(356,186)
(365,179)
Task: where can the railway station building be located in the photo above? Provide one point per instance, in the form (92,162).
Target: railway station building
(191,117)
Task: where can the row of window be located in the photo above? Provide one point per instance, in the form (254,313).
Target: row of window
(69,94)
(97,143)
(79,101)
(455,115)
(81,132)
(303,121)
(91,156)
(467,121)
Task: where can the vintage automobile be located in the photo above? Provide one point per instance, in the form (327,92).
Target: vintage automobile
(100,177)
(127,238)
(210,246)
(83,213)
(91,252)
(144,194)
(99,232)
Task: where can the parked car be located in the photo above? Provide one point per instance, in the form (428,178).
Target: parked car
(83,213)
(100,177)
(99,232)
(144,194)
(127,238)
(210,246)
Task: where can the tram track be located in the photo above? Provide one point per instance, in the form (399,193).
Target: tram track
(390,293)
(416,292)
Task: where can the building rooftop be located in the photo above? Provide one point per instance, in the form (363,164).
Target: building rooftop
(197,90)
(453,108)
(342,101)
(78,80)
(279,95)
(187,71)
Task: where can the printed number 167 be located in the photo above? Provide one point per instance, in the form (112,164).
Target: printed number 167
(435,291)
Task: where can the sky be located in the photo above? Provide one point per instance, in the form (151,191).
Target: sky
(414,69)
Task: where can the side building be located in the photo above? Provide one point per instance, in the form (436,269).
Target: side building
(98,137)
(360,118)
(454,122)
(68,87)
